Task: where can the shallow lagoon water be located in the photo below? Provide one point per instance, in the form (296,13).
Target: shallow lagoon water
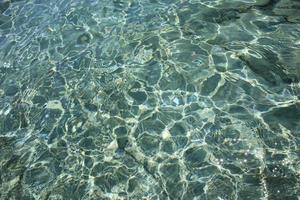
(150,99)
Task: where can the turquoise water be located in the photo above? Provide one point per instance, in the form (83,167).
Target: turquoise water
(150,99)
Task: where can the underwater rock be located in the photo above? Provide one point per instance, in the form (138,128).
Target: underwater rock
(11,90)
(267,66)
(290,119)
(84,38)
(4,4)
(290,9)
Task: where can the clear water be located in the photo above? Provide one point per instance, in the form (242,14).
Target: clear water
(150,99)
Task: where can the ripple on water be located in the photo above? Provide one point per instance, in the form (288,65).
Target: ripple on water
(151,99)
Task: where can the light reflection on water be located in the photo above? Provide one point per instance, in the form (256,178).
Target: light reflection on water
(149,99)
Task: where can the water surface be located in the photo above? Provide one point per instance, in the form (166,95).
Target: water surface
(150,99)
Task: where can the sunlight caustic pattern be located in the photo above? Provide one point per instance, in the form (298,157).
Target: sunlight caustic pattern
(150,99)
